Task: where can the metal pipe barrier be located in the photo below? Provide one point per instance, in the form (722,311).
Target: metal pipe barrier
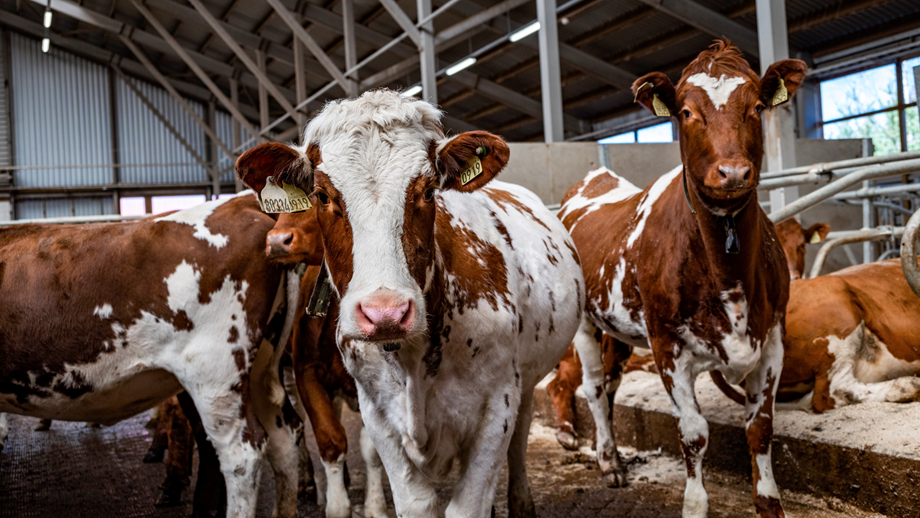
(836,239)
(831,167)
(909,253)
(869,173)
(71,219)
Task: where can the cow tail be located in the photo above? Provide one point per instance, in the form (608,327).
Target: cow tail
(726,389)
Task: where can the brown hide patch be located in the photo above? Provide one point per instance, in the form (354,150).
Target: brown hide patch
(508,202)
(338,240)
(418,227)
(68,283)
(600,185)
(477,267)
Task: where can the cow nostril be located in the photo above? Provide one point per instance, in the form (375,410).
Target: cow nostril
(288,240)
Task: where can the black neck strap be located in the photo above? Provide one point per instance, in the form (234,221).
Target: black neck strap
(732,242)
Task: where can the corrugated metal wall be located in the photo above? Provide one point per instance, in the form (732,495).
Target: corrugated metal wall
(6,151)
(63,207)
(143,139)
(61,116)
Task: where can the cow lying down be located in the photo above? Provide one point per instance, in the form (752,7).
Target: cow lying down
(456,296)
(104,321)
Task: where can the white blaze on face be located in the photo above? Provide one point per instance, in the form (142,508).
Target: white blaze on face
(718,89)
(372,148)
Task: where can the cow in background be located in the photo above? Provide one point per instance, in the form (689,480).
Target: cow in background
(455,298)
(792,236)
(691,265)
(133,312)
(322,382)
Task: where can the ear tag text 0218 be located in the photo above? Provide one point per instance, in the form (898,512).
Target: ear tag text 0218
(284,199)
(473,167)
(781,95)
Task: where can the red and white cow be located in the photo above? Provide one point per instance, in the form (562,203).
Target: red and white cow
(456,297)
(568,377)
(691,265)
(103,321)
(321,379)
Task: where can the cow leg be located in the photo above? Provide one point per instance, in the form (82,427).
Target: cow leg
(210,497)
(588,345)
(520,501)
(331,440)
(561,391)
(43,426)
(760,387)
(306,483)
(375,504)
(475,491)
(692,429)
(160,441)
(180,447)
(4,429)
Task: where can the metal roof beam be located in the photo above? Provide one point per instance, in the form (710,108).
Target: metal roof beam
(709,21)
(403,20)
(308,41)
(183,54)
(477,20)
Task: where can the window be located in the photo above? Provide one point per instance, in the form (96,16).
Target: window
(879,103)
(169,203)
(132,206)
(656,133)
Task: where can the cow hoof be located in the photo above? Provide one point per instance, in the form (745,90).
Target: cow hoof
(154,455)
(169,497)
(43,426)
(567,440)
(616,478)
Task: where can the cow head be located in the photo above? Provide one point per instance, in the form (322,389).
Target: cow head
(295,239)
(717,107)
(376,164)
(794,238)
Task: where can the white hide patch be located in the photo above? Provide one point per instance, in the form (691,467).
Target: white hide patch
(104,311)
(718,89)
(645,206)
(624,190)
(766,486)
(196,217)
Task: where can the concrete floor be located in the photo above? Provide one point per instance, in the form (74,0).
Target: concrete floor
(77,471)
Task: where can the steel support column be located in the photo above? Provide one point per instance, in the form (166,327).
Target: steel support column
(428,55)
(351,49)
(237,138)
(264,115)
(779,128)
(214,170)
(550,72)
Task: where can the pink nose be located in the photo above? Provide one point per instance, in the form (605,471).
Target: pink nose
(385,316)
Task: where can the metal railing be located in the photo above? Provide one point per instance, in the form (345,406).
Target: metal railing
(909,253)
(109,218)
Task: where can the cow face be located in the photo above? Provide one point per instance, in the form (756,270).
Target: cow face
(295,238)
(794,238)
(377,164)
(717,107)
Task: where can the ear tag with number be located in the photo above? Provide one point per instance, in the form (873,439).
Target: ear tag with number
(660,109)
(815,238)
(297,198)
(284,199)
(781,95)
(472,170)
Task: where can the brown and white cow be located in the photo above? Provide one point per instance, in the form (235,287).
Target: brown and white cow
(456,297)
(321,378)
(691,265)
(568,376)
(851,336)
(103,321)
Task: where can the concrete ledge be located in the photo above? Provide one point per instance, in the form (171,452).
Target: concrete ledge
(867,455)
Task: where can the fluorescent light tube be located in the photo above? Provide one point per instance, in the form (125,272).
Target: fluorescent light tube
(526,31)
(412,91)
(466,63)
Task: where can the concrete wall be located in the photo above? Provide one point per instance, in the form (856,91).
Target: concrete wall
(550,169)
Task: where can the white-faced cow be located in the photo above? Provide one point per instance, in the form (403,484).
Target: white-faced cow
(100,322)
(455,296)
(691,265)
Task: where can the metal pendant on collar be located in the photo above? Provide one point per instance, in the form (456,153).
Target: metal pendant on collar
(732,243)
(321,296)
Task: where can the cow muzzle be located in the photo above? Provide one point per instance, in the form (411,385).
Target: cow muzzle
(734,175)
(279,244)
(385,316)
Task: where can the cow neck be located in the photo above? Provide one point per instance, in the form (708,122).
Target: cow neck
(731,241)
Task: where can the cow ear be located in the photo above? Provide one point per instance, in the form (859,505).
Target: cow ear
(276,160)
(656,92)
(781,81)
(817,233)
(469,160)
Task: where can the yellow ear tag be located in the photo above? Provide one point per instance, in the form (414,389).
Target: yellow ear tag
(643,87)
(472,170)
(660,109)
(781,95)
(297,198)
(815,238)
(284,199)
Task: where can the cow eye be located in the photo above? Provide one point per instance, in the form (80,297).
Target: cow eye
(759,107)
(322,197)
(429,194)
(687,114)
